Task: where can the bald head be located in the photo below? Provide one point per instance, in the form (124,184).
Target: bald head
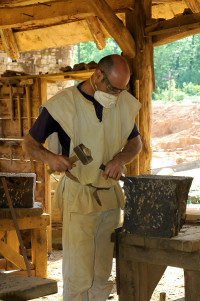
(116,69)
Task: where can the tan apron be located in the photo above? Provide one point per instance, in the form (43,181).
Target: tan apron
(77,117)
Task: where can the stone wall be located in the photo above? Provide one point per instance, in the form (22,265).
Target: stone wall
(41,62)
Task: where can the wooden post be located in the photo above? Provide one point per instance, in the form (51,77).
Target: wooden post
(13,242)
(39,251)
(142,66)
(43,97)
(133,169)
(162,296)
(192,280)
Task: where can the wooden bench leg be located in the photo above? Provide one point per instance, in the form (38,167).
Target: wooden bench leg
(12,241)
(138,280)
(39,251)
(192,285)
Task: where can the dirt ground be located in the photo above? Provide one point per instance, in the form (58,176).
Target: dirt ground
(175,140)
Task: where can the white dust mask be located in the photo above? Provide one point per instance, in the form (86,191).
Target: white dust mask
(105,99)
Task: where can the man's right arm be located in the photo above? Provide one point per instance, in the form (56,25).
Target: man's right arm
(36,151)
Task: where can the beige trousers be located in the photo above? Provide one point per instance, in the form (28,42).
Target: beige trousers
(88,254)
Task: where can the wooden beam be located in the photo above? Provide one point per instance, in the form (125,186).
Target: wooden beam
(115,27)
(168,31)
(57,11)
(34,222)
(167,9)
(13,256)
(9,43)
(142,65)
(194,5)
(96,31)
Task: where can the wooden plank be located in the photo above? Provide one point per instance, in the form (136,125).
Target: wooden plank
(188,240)
(115,27)
(39,251)
(40,222)
(54,77)
(19,272)
(13,256)
(96,31)
(180,259)
(20,213)
(42,38)
(9,43)
(174,29)
(167,9)
(55,11)
(25,288)
(194,5)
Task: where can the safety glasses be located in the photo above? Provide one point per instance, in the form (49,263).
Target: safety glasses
(109,87)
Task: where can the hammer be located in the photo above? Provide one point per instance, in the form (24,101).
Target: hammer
(82,153)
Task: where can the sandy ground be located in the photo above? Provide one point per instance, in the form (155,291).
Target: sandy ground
(172,282)
(175,140)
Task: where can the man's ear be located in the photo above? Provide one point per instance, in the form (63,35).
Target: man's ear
(98,76)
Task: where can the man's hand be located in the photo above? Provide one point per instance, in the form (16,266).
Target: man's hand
(115,167)
(36,151)
(59,163)
(114,170)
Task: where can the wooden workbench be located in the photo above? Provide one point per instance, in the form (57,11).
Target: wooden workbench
(28,219)
(141,262)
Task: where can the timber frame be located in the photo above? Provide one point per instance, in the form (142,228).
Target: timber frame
(136,25)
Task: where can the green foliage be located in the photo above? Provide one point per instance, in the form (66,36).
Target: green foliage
(191,89)
(182,58)
(179,95)
(87,52)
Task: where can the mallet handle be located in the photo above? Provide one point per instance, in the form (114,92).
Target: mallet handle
(72,160)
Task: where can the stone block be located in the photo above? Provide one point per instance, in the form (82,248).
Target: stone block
(21,189)
(156,205)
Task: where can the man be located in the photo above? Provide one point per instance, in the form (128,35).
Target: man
(99,113)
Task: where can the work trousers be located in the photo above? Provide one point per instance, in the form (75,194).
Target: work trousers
(88,254)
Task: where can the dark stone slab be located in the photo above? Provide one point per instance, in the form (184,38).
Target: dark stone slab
(21,188)
(156,205)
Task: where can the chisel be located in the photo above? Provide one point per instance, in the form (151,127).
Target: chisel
(122,178)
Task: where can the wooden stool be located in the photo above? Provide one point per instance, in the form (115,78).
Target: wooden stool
(31,219)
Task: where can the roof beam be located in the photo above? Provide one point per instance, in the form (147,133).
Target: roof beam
(177,28)
(115,27)
(9,43)
(96,31)
(57,11)
(194,5)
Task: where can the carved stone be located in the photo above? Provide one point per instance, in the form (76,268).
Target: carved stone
(156,205)
(21,188)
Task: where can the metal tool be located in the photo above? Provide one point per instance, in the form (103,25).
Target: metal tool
(82,153)
(122,178)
